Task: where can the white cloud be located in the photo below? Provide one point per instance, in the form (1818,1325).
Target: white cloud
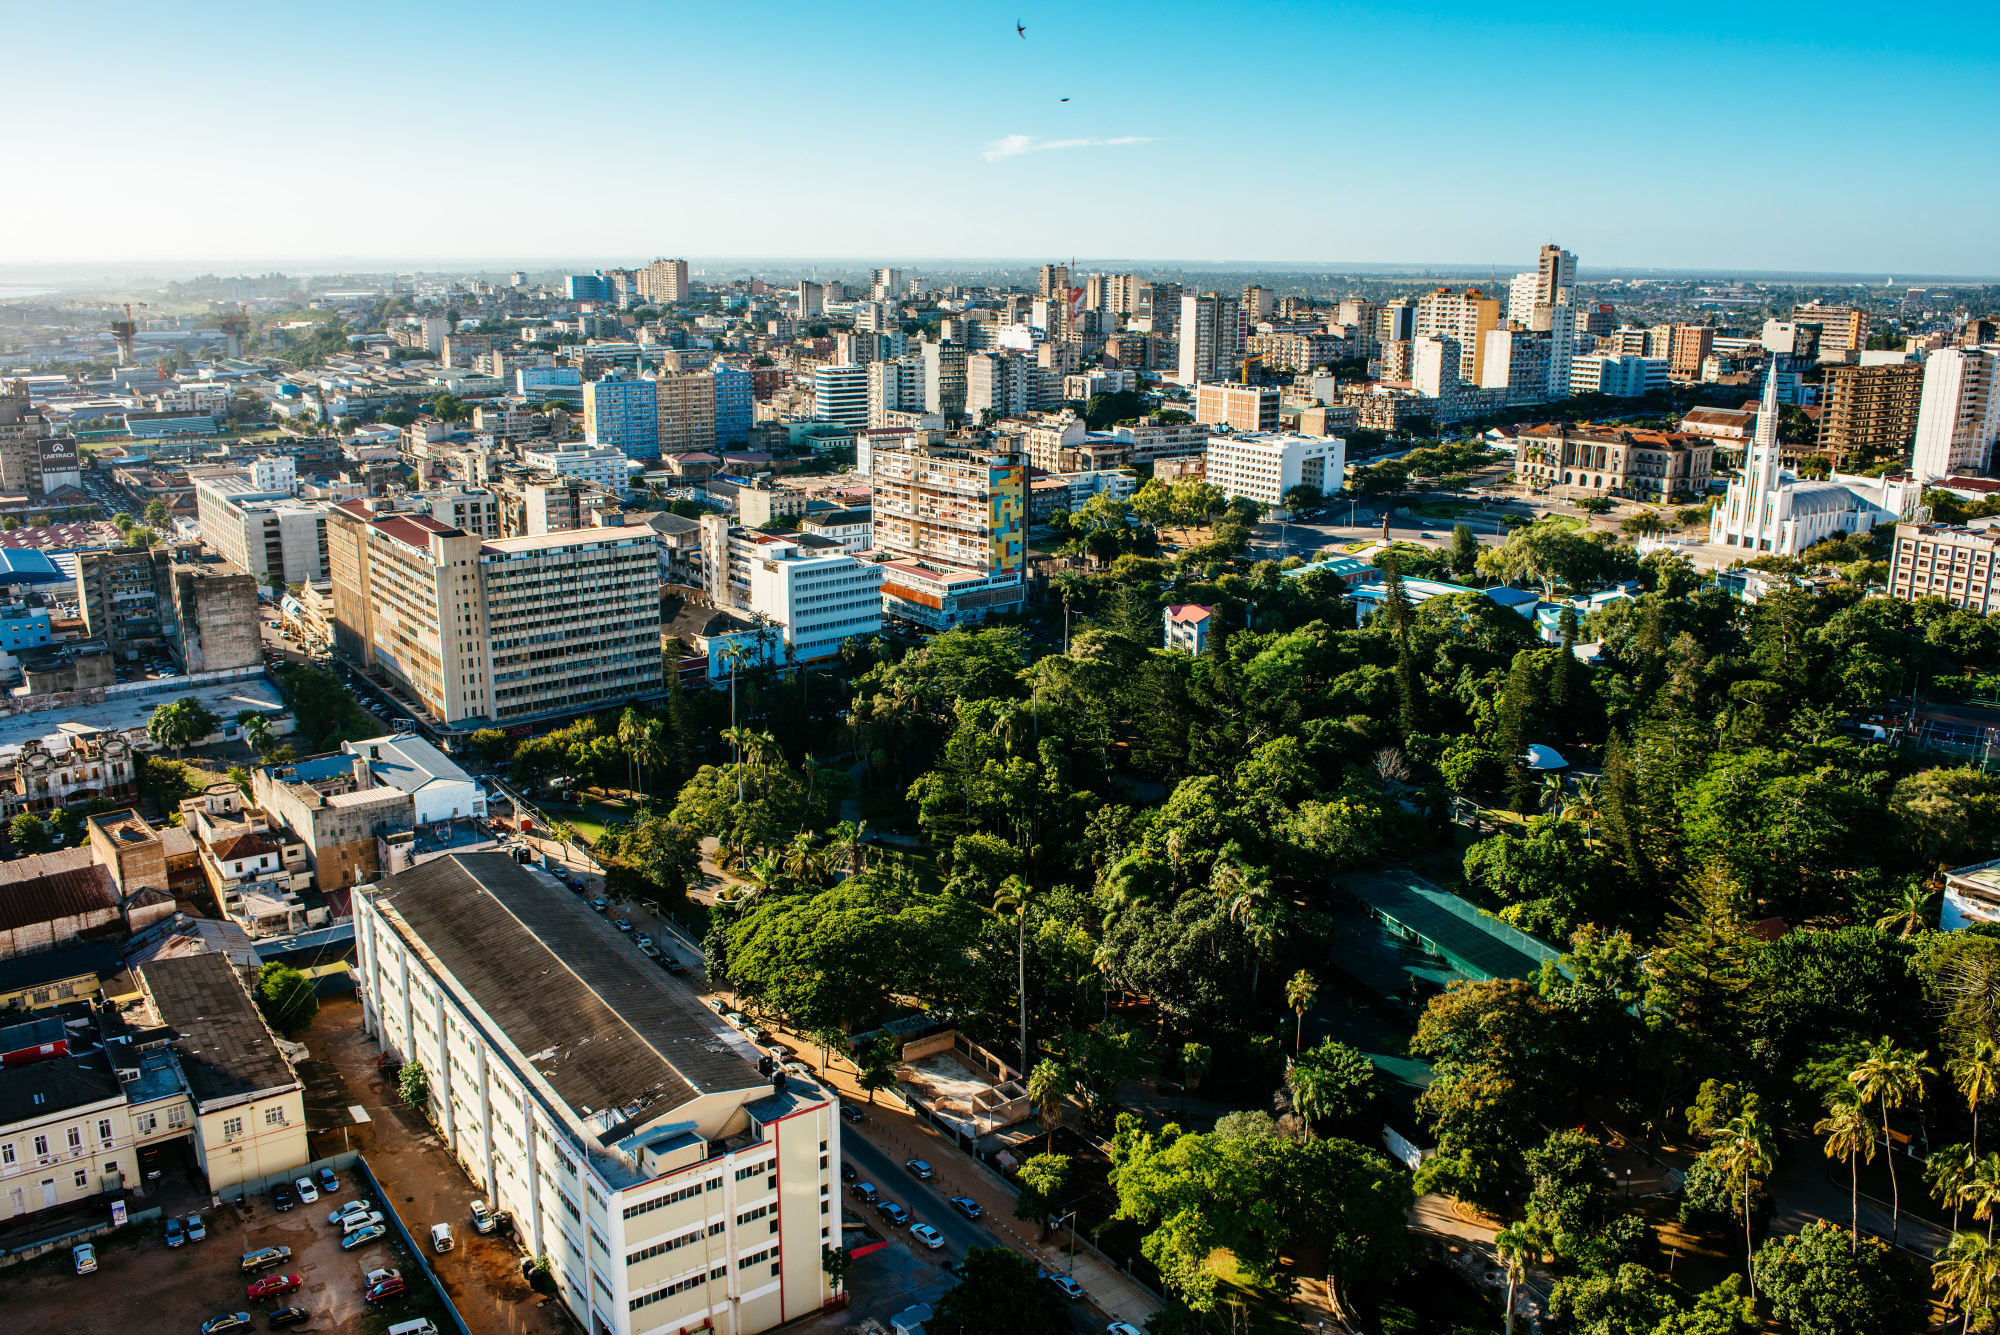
(1014,145)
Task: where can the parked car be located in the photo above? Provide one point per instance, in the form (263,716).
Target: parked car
(966,1206)
(894,1213)
(272,1286)
(864,1192)
(288,1316)
(482,1217)
(84,1256)
(215,1325)
(328,1183)
(927,1235)
(390,1287)
(1066,1286)
(361,1237)
(647,949)
(1122,1328)
(196,1230)
(308,1193)
(282,1198)
(920,1170)
(600,905)
(264,1258)
(176,1231)
(366,1219)
(718,1005)
(672,965)
(753,1033)
(441,1240)
(737,1018)
(853,1113)
(847,1173)
(642,940)
(343,1212)
(623,926)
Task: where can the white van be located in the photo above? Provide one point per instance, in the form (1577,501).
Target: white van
(441,1237)
(421,1326)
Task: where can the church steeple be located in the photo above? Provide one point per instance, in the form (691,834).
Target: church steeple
(1761,469)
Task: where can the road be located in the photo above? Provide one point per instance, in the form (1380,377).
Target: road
(923,1201)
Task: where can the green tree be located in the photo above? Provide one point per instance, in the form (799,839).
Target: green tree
(413,1085)
(1968,1273)
(29,833)
(182,723)
(1048,1086)
(1849,1135)
(1299,993)
(1976,1073)
(878,1067)
(156,513)
(1744,1151)
(1521,1247)
(837,1262)
(286,997)
(998,1279)
(1464,550)
(1041,1182)
(256,728)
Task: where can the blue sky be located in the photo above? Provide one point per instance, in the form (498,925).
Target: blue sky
(1771,136)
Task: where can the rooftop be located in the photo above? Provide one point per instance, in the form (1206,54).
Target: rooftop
(406,761)
(44,1089)
(223,1044)
(57,894)
(618,1041)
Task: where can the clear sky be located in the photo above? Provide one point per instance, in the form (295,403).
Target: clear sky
(1828,136)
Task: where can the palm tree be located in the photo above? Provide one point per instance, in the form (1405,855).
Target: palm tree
(1890,1075)
(1744,1152)
(1584,802)
(1981,1190)
(1911,914)
(1849,1133)
(1977,1074)
(256,730)
(1553,794)
(1195,1061)
(1312,1093)
(1969,1273)
(1013,897)
(1299,996)
(1048,1085)
(1070,587)
(1247,892)
(630,726)
(736,737)
(1520,1246)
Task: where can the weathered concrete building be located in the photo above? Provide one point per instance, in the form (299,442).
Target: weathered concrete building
(334,805)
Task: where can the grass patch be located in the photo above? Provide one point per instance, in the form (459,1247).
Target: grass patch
(1560,521)
(1251,1307)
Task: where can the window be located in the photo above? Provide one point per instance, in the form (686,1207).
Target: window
(274,1116)
(232,1127)
(82,1179)
(76,1137)
(7,1153)
(104,1129)
(41,1147)
(176,1118)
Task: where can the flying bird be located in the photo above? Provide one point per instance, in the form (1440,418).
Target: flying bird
(1021,29)
(1065,99)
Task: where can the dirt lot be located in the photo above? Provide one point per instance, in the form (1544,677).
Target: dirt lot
(143,1285)
(482,1274)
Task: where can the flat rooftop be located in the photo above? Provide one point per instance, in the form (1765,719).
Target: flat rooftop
(223,1045)
(612,1035)
(125,711)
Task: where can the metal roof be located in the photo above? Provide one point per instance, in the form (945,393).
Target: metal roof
(223,1044)
(1474,945)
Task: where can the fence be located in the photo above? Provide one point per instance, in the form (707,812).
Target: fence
(27,1251)
(422,1254)
(255,1186)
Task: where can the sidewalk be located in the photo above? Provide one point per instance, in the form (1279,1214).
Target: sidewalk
(901,1134)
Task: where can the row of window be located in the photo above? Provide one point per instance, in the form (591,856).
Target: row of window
(672,1198)
(674,1244)
(678,1286)
(74,1135)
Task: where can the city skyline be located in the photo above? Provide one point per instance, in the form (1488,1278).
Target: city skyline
(1371,154)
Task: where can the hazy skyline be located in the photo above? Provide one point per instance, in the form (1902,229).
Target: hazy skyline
(1713,138)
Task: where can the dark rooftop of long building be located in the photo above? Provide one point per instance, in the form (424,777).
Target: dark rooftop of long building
(223,1044)
(46,1088)
(615,1038)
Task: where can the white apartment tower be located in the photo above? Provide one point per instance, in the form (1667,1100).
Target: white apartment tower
(840,394)
(1211,338)
(1958,417)
(894,386)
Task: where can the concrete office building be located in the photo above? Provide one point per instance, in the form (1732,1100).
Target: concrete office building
(687,412)
(332,805)
(632,1136)
(1005,383)
(474,509)
(1240,407)
(895,386)
(1959,565)
(1621,376)
(665,281)
(733,409)
(257,531)
(622,413)
(1463,316)
(499,631)
(1264,465)
(600,466)
(215,617)
(1869,413)
(1211,339)
(1843,330)
(1958,413)
(944,377)
(840,394)
(119,594)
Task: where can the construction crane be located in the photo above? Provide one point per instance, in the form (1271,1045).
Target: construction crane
(125,331)
(1253,357)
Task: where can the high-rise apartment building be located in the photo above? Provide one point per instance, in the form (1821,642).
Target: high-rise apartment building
(1689,345)
(1240,407)
(812,299)
(665,281)
(591,287)
(1264,465)
(685,412)
(1959,565)
(733,397)
(1958,414)
(840,394)
(1843,330)
(1531,295)
(1396,321)
(1869,413)
(498,631)
(1211,338)
(635,1139)
(1004,382)
(1464,317)
(1436,365)
(1053,281)
(621,412)
(895,386)
(953,526)
(944,377)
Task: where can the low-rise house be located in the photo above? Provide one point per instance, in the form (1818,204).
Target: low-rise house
(333,805)
(1187,626)
(75,764)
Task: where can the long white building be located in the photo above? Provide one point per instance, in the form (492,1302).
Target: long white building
(629,1132)
(1771,509)
(1264,465)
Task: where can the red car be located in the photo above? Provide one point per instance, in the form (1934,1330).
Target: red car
(272,1285)
(385,1288)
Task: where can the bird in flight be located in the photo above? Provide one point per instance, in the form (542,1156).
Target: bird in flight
(1065,99)
(1020,28)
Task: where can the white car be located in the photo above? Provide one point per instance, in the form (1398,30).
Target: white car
(308,1193)
(347,1210)
(354,1223)
(927,1235)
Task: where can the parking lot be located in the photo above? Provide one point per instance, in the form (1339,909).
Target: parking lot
(141,1284)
